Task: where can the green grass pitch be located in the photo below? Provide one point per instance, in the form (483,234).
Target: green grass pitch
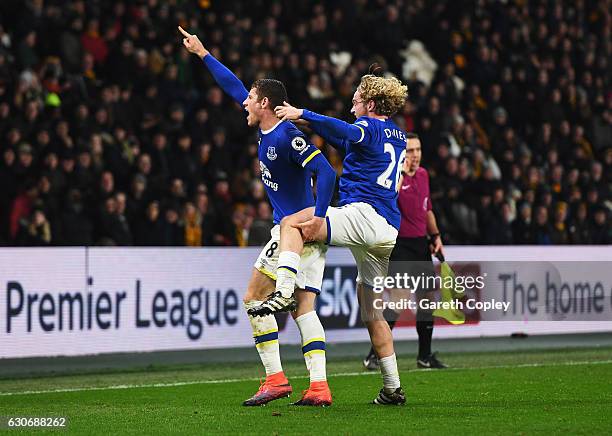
(536,392)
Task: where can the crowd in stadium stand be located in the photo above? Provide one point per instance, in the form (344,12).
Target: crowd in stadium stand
(112,134)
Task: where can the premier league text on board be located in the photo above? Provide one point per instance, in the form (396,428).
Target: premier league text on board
(191,310)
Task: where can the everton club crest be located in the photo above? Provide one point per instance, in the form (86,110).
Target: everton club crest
(271,153)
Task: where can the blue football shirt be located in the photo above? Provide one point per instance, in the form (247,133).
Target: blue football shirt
(286,159)
(284,153)
(372,167)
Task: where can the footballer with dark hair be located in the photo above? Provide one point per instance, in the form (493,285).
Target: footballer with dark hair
(287,162)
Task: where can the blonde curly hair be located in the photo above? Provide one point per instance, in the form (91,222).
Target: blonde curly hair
(389,94)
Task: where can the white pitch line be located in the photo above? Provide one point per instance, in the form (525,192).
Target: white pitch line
(340,374)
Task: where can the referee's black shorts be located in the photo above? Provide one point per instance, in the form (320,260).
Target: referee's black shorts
(412,256)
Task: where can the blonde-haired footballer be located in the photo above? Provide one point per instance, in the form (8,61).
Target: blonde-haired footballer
(368,218)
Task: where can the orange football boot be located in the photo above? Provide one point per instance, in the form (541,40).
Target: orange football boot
(318,394)
(276,386)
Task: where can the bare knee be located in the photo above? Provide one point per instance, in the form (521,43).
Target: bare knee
(259,287)
(250,296)
(305,302)
(250,293)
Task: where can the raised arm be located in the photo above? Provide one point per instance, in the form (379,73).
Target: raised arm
(222,75)
(328,127)
(226,79)
(334,127)
(326,182)
(334,141)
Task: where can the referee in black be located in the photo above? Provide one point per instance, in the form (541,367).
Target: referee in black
(417,240)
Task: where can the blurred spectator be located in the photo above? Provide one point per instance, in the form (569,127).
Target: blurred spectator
(113,224)
(242,219)
(174,233)
(522,227)
(36,231)
(192,220)
(22,207)
(560,234)
(601,228)
(542,229)
(499,229)
(580,228)
(259,234)
(150,230)
(76,228)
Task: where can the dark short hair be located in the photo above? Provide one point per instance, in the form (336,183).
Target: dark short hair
(273,89)
(412,136)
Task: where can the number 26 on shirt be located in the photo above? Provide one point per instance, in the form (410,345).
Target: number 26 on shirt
(384,178)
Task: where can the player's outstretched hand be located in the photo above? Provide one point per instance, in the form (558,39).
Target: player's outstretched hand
(288,112)
(310,229)
(192,43)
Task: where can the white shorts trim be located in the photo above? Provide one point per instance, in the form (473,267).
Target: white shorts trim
(312,262)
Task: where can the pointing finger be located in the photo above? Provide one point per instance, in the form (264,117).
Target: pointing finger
(185,34)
